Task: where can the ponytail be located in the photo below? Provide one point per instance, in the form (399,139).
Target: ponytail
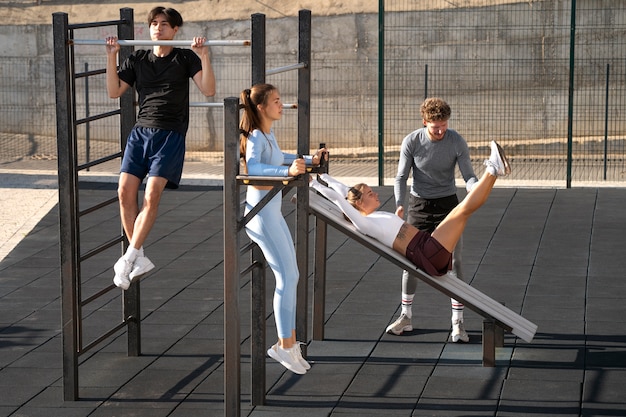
(250,98)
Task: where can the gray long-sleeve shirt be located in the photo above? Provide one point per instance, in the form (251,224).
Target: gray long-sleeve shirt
(432,164)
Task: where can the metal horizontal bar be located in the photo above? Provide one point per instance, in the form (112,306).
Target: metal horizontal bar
(99,161)
(220,105)
(104,336)
(139,42)
(246,248)
(101,248)
(98,117)
(250,267)
(105,203)
(205,104)
(90,73)
(97,295)
(96,24)
(285,68)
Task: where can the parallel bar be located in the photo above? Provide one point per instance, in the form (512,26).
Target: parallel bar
(286,68)
(141,42)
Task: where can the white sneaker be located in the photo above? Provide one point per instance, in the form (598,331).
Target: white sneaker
(401,325)
(458,332)
(302,361)
(498,160)
(141,266)
(287,358)
(122,270)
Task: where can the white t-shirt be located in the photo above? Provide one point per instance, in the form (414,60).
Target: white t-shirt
(381,225)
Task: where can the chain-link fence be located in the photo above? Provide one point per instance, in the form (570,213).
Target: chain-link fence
(505,69)
(503,66)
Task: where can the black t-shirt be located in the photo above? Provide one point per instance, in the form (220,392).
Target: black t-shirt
(163,86)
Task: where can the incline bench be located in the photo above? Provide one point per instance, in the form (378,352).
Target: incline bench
(497,316)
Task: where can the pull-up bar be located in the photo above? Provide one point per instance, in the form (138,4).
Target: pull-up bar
(221,105)
(133,42)
(285,68)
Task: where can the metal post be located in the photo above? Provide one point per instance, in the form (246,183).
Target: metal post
(489,343)
(132,296)
(68,221)
(304,131)
(425,81)
(257,326)
(232,321)
(606,117)
(319,279)
(257,50)
(127,101)
(381,92)
(570,96)
(87,132)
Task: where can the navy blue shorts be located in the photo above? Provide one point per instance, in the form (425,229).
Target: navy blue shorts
(155,153)
(428,255)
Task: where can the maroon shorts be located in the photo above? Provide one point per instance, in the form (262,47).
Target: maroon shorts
(428,255)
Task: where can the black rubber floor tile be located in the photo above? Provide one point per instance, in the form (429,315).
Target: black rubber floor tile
(556,393)
(356,405)
(526,370)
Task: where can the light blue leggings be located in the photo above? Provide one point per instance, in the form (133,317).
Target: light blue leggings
(269,230)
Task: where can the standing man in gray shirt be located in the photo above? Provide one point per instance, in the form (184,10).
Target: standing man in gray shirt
(431,154)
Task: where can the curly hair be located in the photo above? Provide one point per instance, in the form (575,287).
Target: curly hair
(435,109)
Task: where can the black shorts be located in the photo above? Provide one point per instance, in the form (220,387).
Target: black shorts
(426,214)
(428,255)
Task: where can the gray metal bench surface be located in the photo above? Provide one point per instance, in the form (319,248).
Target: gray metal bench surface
(495,313)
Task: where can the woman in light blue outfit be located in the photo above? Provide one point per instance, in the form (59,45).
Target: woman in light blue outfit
(262,106)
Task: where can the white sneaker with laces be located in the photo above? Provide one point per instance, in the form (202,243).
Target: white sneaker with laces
(498,160)
(302,361)
(458,332)
(401,325)
(122,270)
(141,266)
(287,358)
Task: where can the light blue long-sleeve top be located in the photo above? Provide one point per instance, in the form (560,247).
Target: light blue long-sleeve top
(264,157)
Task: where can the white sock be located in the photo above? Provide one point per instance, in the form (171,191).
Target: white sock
(131,254)
(407,304)
(457,310)
(491,168)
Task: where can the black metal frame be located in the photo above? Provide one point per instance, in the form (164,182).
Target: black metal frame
(234,222)
(69,212)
